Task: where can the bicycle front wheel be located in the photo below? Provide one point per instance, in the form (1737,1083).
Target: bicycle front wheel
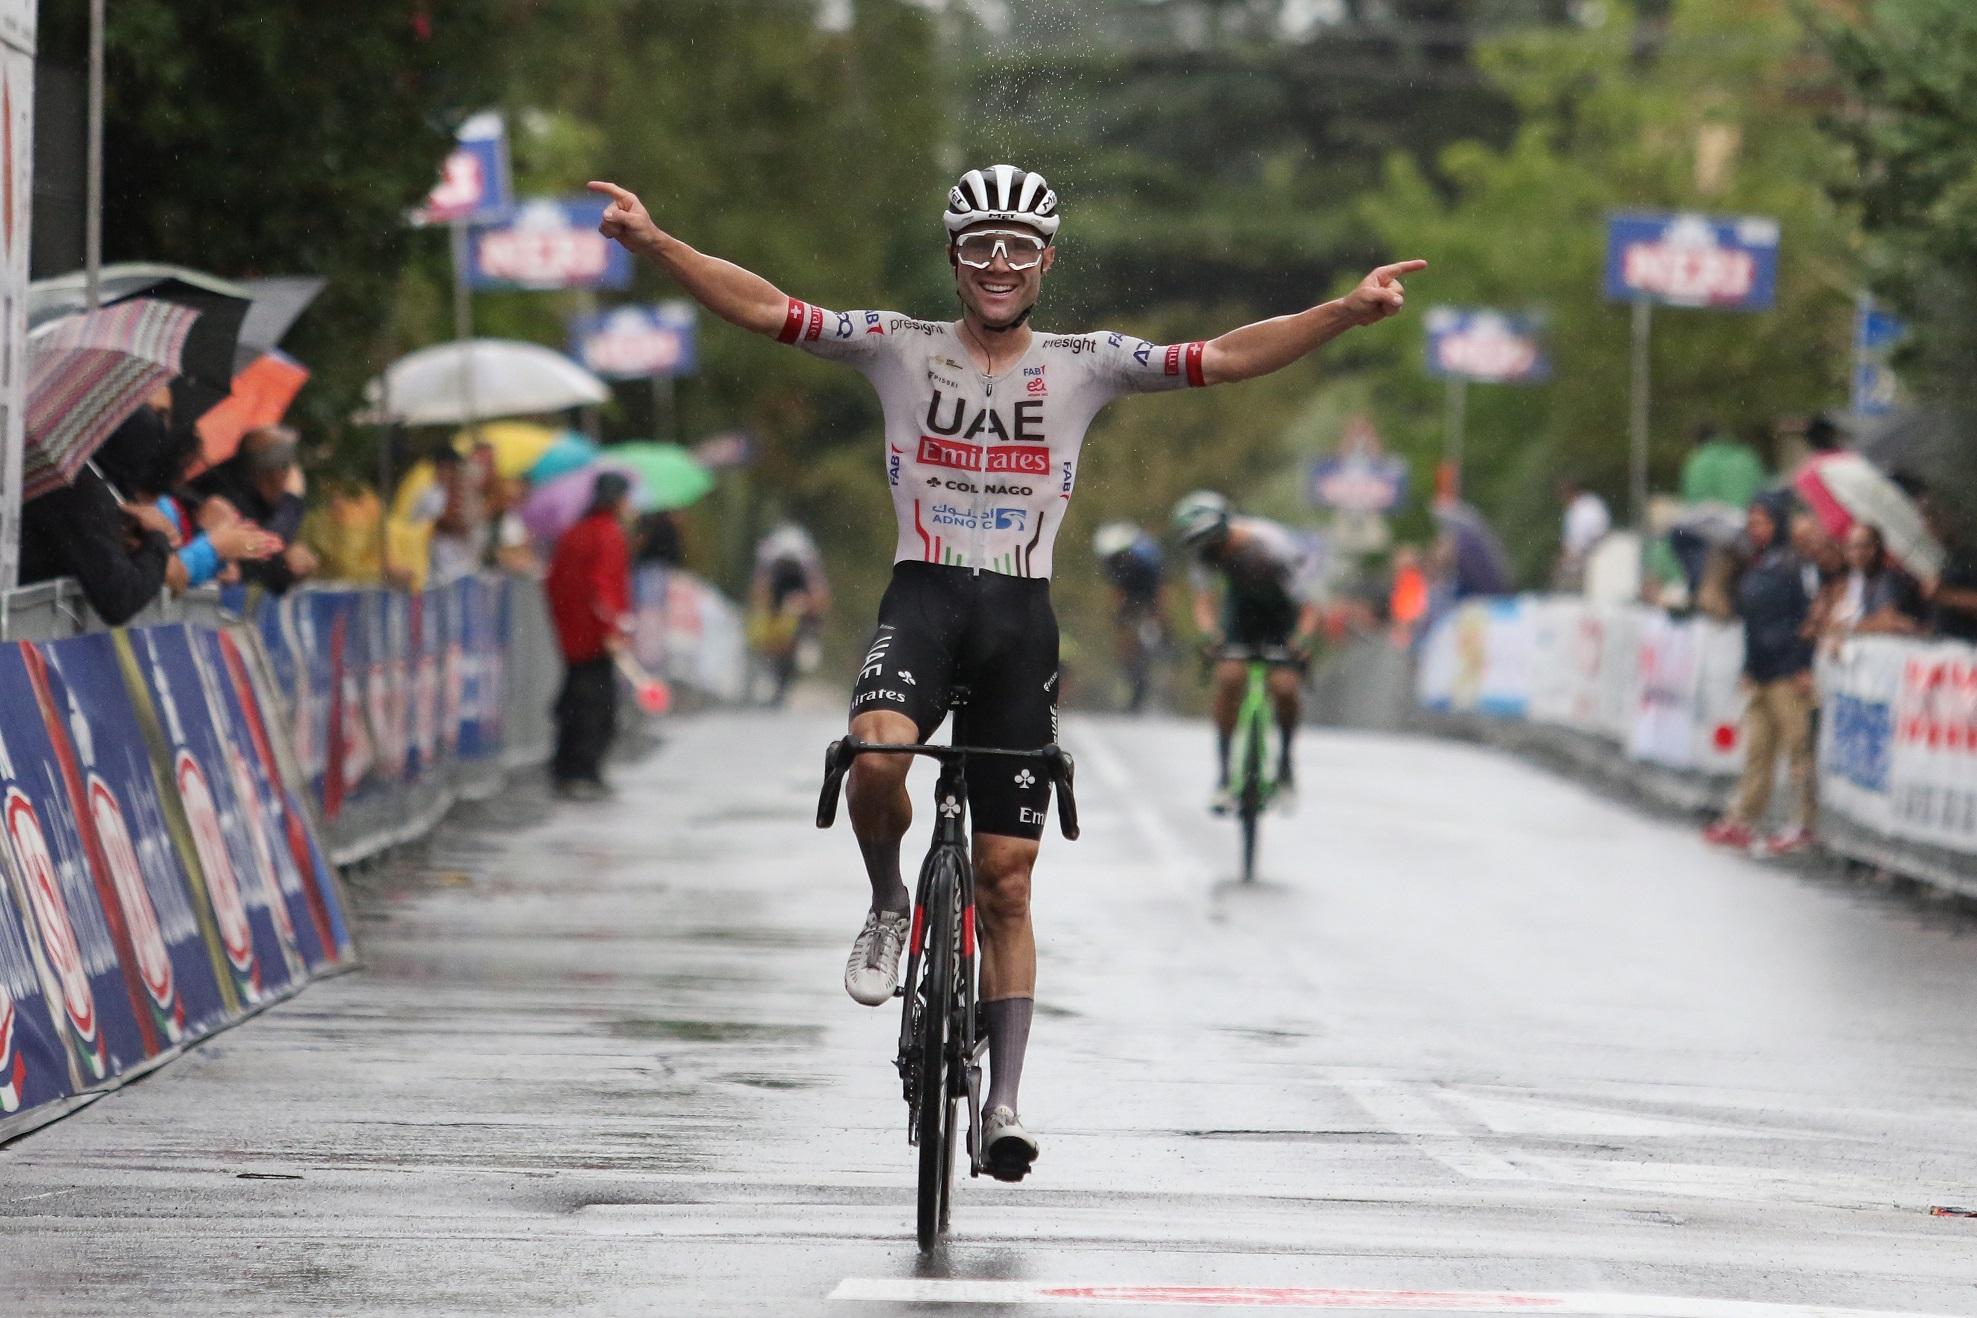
(1250,802)
(934,1108)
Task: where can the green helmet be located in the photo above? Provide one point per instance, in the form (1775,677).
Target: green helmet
(1200,517)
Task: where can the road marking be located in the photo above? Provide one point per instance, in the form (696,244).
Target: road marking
(1409,1111)
(1588,1305)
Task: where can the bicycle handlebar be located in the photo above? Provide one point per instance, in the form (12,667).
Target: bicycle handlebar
(1056,760)
(1273,656)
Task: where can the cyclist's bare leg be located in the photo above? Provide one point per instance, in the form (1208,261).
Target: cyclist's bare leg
(1230,678)
(881,811)
(1285,693)
(1009,957)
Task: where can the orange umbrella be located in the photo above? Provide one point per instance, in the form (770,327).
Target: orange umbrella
(261,395)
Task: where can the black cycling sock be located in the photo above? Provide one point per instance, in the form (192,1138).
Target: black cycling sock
(1223,741)
(1008,1021)
(1285,731)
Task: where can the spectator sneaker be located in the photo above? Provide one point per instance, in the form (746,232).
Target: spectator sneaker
(1006,1146)
(1731,833)
(872,973)
(1787,842)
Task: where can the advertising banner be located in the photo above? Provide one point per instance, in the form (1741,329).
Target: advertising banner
(689,633)
(168,919)
(35,1064)
(473,180)
(1934,768)
(1488,347)
(547,244)
(97,1008)
(1860,685)
(636,343)
(1693,261)
(176,699)
(1665,693)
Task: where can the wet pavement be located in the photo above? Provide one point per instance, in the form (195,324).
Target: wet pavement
(1480,1041)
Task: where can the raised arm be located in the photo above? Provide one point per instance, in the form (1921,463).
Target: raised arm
(1270,345)
(737,296)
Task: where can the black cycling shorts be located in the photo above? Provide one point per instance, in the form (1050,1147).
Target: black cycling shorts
(941,627)
(1260,618)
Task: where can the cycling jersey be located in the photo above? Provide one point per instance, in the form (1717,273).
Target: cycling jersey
(982,467)
(1270,574)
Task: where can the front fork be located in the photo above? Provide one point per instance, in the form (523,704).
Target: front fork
(965,1059)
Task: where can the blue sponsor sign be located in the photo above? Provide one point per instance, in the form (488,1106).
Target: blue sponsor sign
(1357,483)
(1490,347)
(208,767)
(637,342)
(1861,744)
(547,244)
(1876,334)
(473,181)
(1693,261)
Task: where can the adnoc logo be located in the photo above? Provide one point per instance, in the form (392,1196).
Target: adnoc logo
(58,939)
(154,961)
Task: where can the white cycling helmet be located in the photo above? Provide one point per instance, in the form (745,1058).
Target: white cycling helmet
(1114,538)
(1200,517)
(1002,193)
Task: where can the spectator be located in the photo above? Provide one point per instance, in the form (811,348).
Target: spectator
(508,547)
(1587,521)
(1874,596)
(1822,567)
(1772,603)
(261,484)
(1953,593)
(452,507)
(119,551)
(658,540)
(1407,601)
(1721,470)
(206,556)
(589,589)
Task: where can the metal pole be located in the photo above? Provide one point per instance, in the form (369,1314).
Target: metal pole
(463,322)
(1457,414)
(92,232)
(1637,465)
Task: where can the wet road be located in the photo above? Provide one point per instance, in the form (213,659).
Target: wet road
(1482,1041)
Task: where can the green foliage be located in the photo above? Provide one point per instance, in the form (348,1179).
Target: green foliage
(1710,117)
(256,139)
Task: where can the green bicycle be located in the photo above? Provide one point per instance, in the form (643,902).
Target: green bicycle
(1253,751)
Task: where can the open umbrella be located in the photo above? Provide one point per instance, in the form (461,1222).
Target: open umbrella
(570,452)
(554,508)
(85,374)
(1482,566)
(453,384)
(206,367)
(668,475)
(261,395)
(1844,488)
(517,444)
(276,304)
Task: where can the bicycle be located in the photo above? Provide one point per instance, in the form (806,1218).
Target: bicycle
(940,1048)
(1251,758)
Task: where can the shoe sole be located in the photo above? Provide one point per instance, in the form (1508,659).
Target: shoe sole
(1010,1160)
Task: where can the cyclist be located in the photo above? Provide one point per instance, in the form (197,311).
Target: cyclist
(1134,569)
(1267,601)
(984,419)
(788,598)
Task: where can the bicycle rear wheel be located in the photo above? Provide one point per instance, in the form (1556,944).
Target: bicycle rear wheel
(933,1104)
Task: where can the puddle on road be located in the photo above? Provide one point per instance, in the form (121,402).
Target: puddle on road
(765,1080)
(710,1031)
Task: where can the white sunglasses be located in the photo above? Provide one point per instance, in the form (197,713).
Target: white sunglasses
(978,250)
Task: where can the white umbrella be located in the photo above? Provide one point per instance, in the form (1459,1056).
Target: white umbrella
(454,384)
(1853,487)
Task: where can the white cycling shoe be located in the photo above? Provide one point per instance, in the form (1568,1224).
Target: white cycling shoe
(1222,801)
(872,972)
(1007,1148)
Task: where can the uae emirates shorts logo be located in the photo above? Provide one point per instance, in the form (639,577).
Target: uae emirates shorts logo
(973,457)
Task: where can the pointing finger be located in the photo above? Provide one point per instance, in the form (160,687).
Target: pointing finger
(1386,273)
(617,194)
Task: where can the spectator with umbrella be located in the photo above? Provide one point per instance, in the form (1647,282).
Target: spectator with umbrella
(262,484)
(1772,603)
(589,589)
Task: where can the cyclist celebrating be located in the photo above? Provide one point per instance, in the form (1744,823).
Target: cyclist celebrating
(1267,589)
(984,420)
(1133,568)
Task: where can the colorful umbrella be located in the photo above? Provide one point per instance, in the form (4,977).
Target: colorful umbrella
(88,372)
(669,475)
(261,395)
(571,452)
(517,445)
(206,366)
(554,508)
(1844,488)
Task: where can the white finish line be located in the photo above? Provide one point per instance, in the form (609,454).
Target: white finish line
(930,1291)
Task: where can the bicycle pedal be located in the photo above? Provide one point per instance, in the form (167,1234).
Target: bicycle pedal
(899,990)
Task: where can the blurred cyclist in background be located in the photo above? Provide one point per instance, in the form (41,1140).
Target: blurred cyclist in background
(1268,602)
(1134,568)
(787,600)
